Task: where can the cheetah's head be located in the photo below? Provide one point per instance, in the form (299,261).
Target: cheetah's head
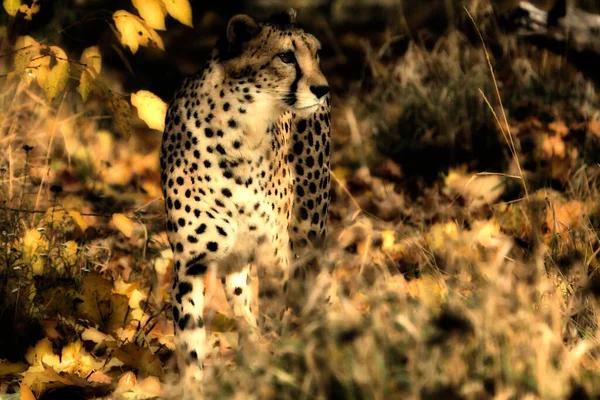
(278,58)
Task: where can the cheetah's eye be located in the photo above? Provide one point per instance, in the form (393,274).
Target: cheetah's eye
(287,57)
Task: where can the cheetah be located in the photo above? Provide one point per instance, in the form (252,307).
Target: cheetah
(245,173)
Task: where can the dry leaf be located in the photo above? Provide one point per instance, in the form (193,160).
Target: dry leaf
(41,378)
(140,358)
(42,352)
(563,217)
(102,307)
(26,393)
(477,190)
(79,220)
(123,224)
(559,128)
(150,386)
(121,112)
(553,146)
(127,381)
(99,377)
(9,368)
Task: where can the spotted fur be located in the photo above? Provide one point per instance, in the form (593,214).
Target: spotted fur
(245,173)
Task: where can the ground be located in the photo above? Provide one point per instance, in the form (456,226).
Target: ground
(463,240)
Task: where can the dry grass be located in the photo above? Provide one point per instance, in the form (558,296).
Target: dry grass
(430,286)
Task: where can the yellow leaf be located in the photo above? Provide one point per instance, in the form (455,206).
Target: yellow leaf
(92,59)
(223,340)
(42,378)
(123,224)
(99,377)
(95,336)
(11,6)
(101,306)
(477,189)
(54,215)
(42,353)
(559,127)
(85,85)
(9,368)
(74,359)
(388,239)
(153,12)
(33,244)
(141,358)
(430,290)
(150,386)
(180,10)
(26,393)
(69,253)
(30,10)
(441,235)
(78,218)
(58,76)
(153,189)
(135,32)
(121,112)
(26,48)
(151,109)
(127,380)
(131,291)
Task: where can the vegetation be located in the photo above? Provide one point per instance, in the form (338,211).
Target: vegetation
(462,259)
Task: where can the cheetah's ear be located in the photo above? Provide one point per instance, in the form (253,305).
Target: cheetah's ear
(241,28)
(287,17)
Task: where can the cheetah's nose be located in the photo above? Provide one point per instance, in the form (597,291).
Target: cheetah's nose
(319,91)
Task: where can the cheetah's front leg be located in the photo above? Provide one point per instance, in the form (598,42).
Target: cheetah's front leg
(190,332)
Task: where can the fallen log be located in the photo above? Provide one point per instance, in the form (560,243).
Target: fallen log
(570,32)
(576,29)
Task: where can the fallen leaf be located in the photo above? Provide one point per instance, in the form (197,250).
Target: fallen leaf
(42,352)
(477,190)
(123,224)
(99,377)
(102,307)
(26,393)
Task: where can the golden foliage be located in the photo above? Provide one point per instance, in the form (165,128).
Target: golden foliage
(134,32)
(92,59)
(153,12)
(180,10)
(151,109)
